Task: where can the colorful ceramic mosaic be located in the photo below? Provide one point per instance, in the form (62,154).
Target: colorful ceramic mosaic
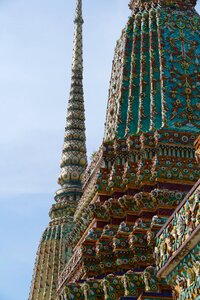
(177,248)
(182,225)
(158,157)
(158,83)
(134,285)
(102,234)
(74,159)
(185,278)
(52,254)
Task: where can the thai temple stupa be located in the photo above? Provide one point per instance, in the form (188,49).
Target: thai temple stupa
(127,226)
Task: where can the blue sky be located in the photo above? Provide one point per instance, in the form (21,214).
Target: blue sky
(35,59)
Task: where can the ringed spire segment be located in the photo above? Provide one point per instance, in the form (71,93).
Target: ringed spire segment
(74,158)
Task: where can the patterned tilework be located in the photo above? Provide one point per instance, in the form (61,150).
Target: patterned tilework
(177,248)
(185,278)
(52,254)
(74,159)
(130,285)
(158,67)
(101,238)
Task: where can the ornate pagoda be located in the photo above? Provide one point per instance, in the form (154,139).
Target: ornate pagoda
(103,240)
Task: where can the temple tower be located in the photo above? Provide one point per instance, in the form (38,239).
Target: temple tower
(74,158)
(146,164)
(100,243)
(52,254)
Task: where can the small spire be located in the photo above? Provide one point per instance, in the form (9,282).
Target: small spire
(77,59)
(74,158)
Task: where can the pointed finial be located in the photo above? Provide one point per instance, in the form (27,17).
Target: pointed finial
(74,158)
(77,59)
(78,16)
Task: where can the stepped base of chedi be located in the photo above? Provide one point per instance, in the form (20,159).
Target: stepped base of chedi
(126,226)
